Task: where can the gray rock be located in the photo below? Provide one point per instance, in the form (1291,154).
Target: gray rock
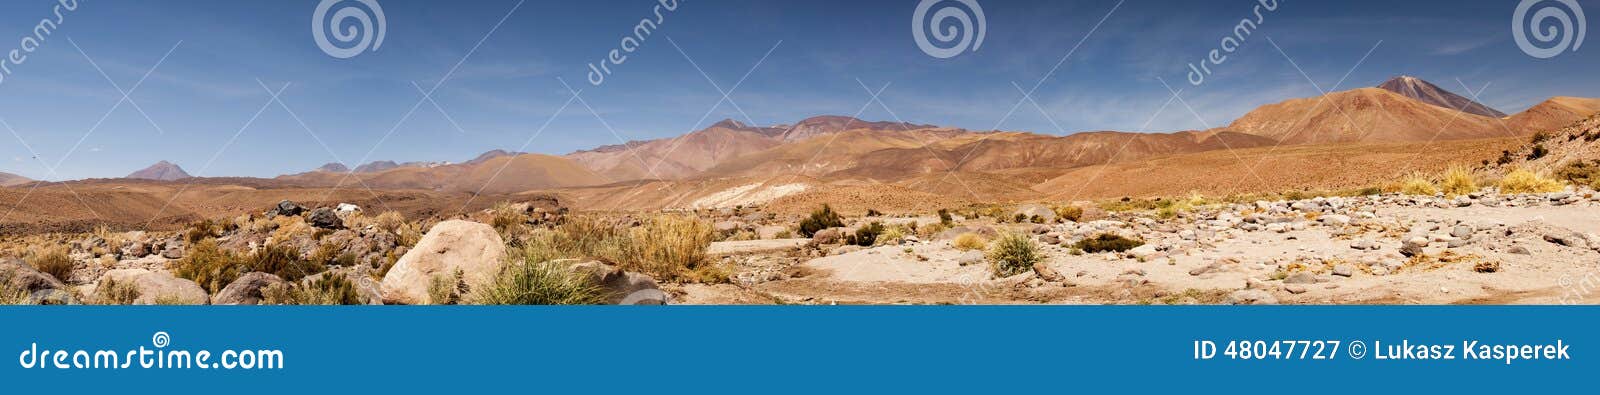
(325,218)
(286,208)
(20,276)
(1567,239)
(1462,232)
(1295,289)
(1250,296)
(1413,246)
(152,287)
(246,290)
(1050,239)
(971,258)
(173,251)
(1301,278)
(1344,270)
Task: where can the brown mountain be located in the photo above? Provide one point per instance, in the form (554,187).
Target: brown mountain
(1556,113)
(680,157)
(8,179)
(161,171)
(1427,92)
(1364,115)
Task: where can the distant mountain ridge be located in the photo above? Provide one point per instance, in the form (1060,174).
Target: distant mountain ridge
(161,171)
(8,179)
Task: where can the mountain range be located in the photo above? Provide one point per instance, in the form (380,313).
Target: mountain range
(731,161)
(833,149)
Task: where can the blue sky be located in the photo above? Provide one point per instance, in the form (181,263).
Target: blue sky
(206,90)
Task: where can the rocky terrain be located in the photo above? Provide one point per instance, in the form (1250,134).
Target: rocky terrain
(1482,248)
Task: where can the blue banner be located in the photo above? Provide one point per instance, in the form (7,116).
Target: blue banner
(838,349)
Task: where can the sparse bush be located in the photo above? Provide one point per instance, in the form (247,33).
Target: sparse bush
(1417,185)
(507,219)
(1581,173)
(1525,181)
(1486,267)
(282,261)
(1069,213)
(1537,152)
(874,213)
(447,289)
(538,283)
(969,242)
(1107,242)
(52,260)
(326,290)
(891,235)
(1458,181)
(289,229)
(783,234)
(209,266)
(867,235)
(823,218)
(667,246)
(1505,158)
(944,218)
(110,292)
(332,255)
(389,221)
(1013,253)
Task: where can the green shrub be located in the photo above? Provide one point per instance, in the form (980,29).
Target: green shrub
(209,266)
(1107,242)
(823,218)
(945,219)
(867,235)
(1013,253)
(538,283)
(282,261)
(1537,152)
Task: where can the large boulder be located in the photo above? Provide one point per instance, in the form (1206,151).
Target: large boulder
(286,208)
(623,287)
(246,290)
(151,288)
(18,276)
(325,218)
(474,249)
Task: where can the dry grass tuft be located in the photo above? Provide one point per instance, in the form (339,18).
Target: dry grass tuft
(52,260)
(1526,181)
(970,242)
(1458,181)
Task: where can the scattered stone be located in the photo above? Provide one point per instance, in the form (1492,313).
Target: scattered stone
(971,258)
(246,290)
(1295,289)
(1250,296)
(1301,278)
(286,208)
(1413,246)
(1566,239)
(1048,274)
(1344,270)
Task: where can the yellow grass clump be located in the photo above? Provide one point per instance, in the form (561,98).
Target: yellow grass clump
(1458,181)
(1525,181)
